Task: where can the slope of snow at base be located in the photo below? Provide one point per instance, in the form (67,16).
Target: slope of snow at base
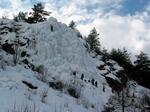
(61,52)
(14,93)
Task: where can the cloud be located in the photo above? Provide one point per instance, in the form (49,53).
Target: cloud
(81,10)
(118,32)
(116,29)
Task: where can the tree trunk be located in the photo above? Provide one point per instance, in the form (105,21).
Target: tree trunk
(123,100)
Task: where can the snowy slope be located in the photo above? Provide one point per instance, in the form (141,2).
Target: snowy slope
(45,67)
(14,93)
(136,99)
(62,56)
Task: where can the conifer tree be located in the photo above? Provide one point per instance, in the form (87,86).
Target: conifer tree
(122,57)
(93,41)
(38,14)
(142,62)
(72,24)
(21,17)
(105,55)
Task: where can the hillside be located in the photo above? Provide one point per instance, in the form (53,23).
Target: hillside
(45,67)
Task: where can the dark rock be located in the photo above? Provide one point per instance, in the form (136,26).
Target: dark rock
(23,54)
(29,85)
(25,61)
(8,48)
(101,67)
(74,73)
(72,92)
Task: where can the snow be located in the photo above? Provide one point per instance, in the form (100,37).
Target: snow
(61,52)
(62,56)
(112,76)
(13,91)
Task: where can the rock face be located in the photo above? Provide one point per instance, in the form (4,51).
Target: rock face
(43,63)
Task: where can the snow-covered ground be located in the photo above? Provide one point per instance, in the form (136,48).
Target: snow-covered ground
(52,58)
(14,93)
(63,57)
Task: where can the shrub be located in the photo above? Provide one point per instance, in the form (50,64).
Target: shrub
(42,73)
(8,48)
(56,85)
(108,109)
(24,108)
(40,69)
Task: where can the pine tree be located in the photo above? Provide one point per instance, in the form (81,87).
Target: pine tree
(105,55)
(122,57)
(142,62)
(38,14)
(21,17)
(72,24)
(93,41)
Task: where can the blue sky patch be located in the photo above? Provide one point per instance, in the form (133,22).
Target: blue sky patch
(133,6)
(4,4)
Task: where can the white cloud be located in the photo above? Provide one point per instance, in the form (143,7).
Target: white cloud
(115,30)
(118,32)
(15,4)
(82,9)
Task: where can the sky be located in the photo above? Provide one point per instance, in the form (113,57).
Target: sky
(120,23)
